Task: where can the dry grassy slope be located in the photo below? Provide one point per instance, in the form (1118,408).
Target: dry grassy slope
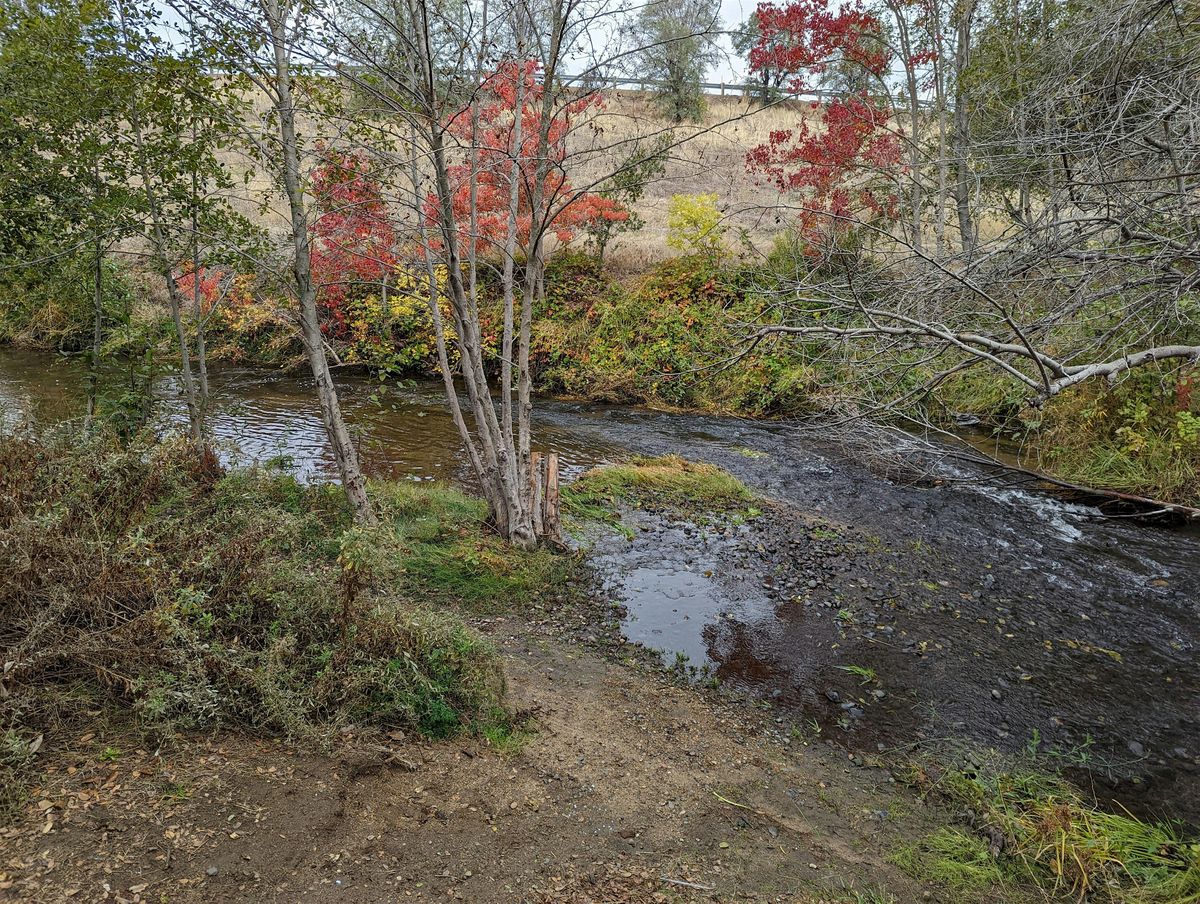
(711,159)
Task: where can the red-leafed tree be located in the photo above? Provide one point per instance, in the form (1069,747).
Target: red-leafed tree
(202,282)
(843,170)
(500,140)
(804,38)
(845,167)
(355,251)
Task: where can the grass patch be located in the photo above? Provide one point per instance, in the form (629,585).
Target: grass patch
(668,484)
(1043,831)
(443,550)
(144,582)
(952,858)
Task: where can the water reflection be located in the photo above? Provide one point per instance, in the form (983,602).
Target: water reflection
(403,429)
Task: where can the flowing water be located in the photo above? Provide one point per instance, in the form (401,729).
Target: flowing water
(879,612)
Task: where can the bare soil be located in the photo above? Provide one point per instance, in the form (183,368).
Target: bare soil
(628,788)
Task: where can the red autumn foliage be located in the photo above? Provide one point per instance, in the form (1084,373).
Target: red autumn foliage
(804,37)
(355,238)
(495,139)
(1183,393)
(210,284)
(845,167)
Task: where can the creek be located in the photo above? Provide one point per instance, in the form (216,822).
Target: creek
(869,609)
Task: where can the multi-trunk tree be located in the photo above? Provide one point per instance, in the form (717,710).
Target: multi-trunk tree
(1070,157)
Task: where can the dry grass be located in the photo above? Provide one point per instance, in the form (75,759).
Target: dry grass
(710,157)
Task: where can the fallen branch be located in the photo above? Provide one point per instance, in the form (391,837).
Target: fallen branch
(695,885)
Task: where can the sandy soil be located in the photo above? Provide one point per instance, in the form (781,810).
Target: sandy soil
(629,788)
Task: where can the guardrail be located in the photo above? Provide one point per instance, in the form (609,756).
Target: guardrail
(719,88)
(722,89)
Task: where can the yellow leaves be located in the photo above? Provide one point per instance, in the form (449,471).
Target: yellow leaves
(694,223)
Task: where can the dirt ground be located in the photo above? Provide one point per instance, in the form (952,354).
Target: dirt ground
(628,788)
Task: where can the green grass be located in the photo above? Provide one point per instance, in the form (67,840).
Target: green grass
(952,858)
(1053,840)
(865,673)
(668,483)
(441,549)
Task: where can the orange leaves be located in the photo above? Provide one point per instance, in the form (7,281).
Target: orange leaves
(498,144)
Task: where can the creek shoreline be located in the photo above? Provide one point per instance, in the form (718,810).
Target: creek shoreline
(949,570)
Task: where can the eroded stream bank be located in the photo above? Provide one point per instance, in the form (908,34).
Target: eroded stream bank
(879,612)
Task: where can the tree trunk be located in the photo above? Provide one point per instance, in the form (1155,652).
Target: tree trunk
(939,77)
(198,302)
(510,253)
(492,452)
(93,381)
(344,452)
(162,258)
(916,193)
(962,126)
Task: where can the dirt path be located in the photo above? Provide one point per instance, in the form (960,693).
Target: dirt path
(626,781)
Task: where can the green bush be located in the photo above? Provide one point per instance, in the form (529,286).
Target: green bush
(51,304)
(670,338)
(694,224)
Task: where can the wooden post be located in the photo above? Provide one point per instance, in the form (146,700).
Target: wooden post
(552,522)
(535,486)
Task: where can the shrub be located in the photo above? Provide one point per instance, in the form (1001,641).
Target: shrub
(144,580)
(667,339)
(51,304)
(694,224)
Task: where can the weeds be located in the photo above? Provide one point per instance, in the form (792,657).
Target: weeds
(865,673)
(1037,827)
(952,858)
(141,581)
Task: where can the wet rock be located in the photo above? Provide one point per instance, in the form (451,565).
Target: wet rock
(1136,748)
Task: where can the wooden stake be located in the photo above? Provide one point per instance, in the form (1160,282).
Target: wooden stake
(535,487)
(552,521)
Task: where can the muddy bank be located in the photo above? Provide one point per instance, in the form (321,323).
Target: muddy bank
(629,790)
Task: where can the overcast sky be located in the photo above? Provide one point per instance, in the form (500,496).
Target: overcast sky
(731,68)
